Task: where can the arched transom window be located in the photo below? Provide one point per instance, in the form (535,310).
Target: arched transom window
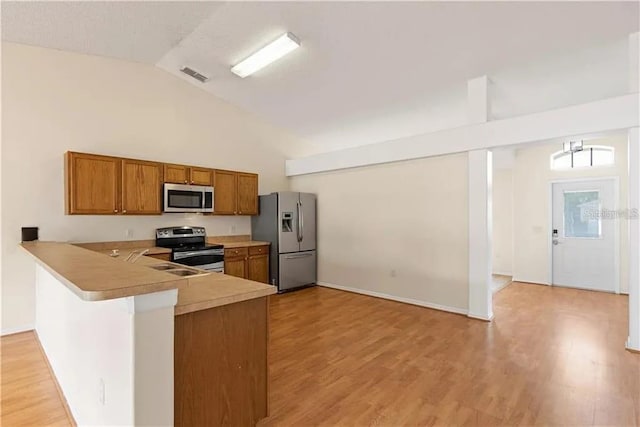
(591,155)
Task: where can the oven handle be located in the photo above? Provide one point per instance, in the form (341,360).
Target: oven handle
(182,255)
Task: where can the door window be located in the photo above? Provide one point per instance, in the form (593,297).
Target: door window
(582,214)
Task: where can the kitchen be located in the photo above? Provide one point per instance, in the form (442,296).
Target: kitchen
(208,290)
(146,96)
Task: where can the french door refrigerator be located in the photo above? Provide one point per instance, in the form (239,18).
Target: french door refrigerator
(288,221)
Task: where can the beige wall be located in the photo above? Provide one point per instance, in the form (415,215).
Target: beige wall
(408,217)
(502,221)
(54,101)
(531,177)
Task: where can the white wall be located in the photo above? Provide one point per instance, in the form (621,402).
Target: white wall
(113,359)
(54,101)
(503,221)
(531,177)
(407,217)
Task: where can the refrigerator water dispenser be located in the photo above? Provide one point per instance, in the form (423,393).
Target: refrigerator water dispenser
(287,222)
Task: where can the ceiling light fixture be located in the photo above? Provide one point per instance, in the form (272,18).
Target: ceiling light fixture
(265,56)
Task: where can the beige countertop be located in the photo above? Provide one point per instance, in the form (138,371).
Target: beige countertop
(93,276)
(240,244)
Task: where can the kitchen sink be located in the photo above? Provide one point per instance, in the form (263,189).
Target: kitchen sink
(163,267)
(183,272)
(178,270)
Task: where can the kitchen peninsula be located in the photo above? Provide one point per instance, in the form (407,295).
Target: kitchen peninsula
(131,344)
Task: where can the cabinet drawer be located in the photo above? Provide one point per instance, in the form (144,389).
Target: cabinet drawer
(258,250)
(236,253)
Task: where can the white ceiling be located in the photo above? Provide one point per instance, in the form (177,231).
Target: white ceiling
(366,71)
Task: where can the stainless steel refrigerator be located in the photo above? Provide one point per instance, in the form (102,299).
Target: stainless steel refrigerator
(288,221)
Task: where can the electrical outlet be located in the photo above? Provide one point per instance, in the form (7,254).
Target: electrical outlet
(393,273)
(232,229)
(101,391)
(128,233)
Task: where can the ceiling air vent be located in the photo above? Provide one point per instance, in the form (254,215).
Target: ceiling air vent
(196,75)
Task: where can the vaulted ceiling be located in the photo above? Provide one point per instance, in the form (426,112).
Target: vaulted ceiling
(366,71)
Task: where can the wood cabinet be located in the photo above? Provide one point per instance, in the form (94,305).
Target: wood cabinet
(248,263)
(247,184)
(141,187)
(180,174)
(225,196)
(103,185)
(106,185)
(92,184)
(221,368)
(236,193)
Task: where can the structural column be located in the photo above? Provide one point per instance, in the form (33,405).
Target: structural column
(480,211)
(633,342)
(480,234)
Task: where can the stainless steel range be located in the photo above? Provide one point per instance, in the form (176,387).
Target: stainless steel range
(188,246)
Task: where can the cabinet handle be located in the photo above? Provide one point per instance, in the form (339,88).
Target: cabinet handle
(124,211)
(240,212)
(115,210)
(185,181)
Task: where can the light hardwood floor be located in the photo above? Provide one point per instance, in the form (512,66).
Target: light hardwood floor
(551,356)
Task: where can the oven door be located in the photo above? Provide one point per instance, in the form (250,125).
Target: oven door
(206,259)
(188,198)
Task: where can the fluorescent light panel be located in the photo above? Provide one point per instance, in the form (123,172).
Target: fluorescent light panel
(265,56)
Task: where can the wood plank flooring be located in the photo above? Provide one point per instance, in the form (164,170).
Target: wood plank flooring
(552,356)
(29,393)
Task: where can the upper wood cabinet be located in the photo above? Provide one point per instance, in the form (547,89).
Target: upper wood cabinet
(176,174)
(225,193)
(105,185)
(102,185)
(141,187)
(200,176)
(180,174)
(236,193)
(92,184)
(247,194)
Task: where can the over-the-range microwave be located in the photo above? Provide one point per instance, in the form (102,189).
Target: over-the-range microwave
(188,198)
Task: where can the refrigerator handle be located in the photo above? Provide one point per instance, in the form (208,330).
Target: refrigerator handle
(298,222)
(301,222)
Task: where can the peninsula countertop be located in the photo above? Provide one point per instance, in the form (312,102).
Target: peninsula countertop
(95,276)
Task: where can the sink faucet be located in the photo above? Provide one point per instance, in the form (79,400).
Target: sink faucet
(135,255)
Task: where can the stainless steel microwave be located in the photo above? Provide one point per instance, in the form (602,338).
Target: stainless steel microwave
(188,198)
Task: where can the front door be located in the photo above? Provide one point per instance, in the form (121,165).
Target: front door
(583,235)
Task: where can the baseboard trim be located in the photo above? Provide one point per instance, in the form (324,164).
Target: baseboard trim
(65,404)
(534,282)
(480,317)
(501,273)
(411,301)
(17,330)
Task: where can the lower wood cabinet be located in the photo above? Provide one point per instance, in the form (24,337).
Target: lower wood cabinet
(220,365)
(248,263)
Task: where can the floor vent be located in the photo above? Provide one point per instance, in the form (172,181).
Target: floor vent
(196,75)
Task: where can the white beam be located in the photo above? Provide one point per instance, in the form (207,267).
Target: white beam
(633,342)
(609,114)
(478,100)
(480,234)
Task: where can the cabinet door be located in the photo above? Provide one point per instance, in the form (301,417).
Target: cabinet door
(259,268)
(141,187)
(176,174)
(247,194)
(201,176)
(236,267)
(225,193)
(92,184)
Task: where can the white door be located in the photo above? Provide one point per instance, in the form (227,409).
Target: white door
(583,238)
